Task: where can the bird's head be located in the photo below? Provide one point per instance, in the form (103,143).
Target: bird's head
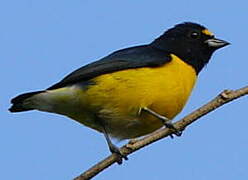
(191,42)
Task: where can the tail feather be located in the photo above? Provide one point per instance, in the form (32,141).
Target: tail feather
(18,102)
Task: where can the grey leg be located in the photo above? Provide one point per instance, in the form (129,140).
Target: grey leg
(167,122)
(113,149)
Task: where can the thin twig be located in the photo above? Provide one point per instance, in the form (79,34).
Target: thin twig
(223,98)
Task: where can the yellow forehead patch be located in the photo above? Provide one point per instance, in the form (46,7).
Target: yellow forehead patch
(207,32)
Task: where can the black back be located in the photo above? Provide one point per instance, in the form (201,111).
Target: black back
(134,57)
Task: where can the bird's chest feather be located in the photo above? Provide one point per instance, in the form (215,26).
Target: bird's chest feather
(118,97)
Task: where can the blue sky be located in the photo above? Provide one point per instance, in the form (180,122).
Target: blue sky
(42,41)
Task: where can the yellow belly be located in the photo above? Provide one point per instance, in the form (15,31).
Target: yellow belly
(118,97)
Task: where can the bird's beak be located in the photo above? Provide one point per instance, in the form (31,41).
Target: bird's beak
(216,43)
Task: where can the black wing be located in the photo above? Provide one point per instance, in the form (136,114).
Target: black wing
(134,57)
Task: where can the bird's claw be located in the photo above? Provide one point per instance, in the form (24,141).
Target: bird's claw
(169,124)
(118,154)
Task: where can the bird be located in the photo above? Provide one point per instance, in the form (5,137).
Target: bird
(133,91)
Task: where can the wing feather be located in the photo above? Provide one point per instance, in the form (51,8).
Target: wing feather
(134,57)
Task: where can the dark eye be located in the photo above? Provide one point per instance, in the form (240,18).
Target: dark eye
(194,35)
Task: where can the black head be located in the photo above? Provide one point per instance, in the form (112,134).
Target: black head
(191,42)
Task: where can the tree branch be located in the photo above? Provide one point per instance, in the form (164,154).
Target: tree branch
(223,98)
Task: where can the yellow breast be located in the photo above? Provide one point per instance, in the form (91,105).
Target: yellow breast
(118,97)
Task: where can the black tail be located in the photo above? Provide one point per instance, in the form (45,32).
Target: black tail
(17,102)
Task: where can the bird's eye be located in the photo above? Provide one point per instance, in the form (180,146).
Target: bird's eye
(194,35)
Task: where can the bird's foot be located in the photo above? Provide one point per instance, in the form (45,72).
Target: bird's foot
(115,150)
(166,121)
(170,125)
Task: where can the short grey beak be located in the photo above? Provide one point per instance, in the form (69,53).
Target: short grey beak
(216,43)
